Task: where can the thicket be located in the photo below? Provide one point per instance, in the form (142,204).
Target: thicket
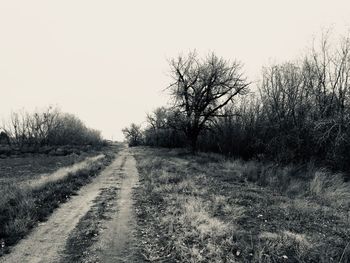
(298,112)
(49,127)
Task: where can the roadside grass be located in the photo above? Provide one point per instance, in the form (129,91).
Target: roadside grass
(207,208)
(21,209)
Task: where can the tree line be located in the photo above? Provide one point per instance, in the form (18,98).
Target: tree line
(49,127)
(298,112)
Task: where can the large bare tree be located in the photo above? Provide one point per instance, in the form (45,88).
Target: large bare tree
(133,134)
(202,88)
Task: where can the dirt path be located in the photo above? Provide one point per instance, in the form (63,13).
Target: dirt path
(47,241)
(117,243)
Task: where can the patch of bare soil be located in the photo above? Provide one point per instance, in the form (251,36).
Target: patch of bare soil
(88,229)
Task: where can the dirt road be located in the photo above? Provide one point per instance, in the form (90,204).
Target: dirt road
(46,243)
(117,242)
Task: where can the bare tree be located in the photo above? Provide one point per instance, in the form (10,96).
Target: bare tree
(133,134)
(48,127)
(157,121)
(158,118)
(201,88)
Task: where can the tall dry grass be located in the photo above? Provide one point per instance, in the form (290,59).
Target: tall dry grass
(209,208)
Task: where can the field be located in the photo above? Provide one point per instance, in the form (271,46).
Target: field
(22,169)
(207,208)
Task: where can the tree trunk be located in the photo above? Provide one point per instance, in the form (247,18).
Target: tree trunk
(193,139)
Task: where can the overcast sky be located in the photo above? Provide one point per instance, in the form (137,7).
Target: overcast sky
(106,61)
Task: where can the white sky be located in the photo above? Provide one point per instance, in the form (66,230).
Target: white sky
(106,61)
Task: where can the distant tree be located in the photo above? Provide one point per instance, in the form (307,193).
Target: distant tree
(157,121)
(48,127)
(162,129)
(201,88)
(133,135)
(71,130)
(4,138)
(158,118)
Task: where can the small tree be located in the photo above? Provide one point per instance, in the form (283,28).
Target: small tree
(201,88)
(133,135)
(4,138)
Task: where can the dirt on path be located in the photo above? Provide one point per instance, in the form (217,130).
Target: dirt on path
(117,242)
(46,242)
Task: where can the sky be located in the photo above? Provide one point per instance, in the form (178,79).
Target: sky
(107,61)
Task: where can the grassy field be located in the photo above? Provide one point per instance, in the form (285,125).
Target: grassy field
(206,208)
(22,208)
(26,168)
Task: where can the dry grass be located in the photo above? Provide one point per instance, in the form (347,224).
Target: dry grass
(305,181)
(331,188)
(206,208)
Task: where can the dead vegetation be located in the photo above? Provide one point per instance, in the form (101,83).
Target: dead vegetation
(207,208)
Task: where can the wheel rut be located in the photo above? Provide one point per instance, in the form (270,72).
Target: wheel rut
(46,243)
